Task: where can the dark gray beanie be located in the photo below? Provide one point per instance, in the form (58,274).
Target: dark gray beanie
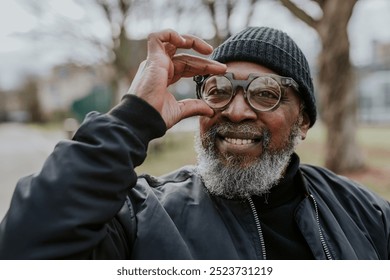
(275,50)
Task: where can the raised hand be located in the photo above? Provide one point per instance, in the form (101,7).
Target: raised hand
(164,67)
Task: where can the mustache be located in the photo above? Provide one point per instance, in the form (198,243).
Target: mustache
(249,130)
(245,129)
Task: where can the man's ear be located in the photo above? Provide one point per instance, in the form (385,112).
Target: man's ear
(304,125)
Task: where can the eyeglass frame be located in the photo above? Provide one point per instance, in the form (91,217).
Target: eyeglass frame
(283,82)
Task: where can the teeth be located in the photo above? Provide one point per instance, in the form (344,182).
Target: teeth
(237,141)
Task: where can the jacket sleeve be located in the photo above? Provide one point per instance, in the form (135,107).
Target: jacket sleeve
(67,210)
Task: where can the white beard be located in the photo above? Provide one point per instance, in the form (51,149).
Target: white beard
(232,180)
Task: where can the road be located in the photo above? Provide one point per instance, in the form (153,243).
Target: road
(23,150)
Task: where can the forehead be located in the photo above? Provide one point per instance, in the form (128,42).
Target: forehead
(241,69)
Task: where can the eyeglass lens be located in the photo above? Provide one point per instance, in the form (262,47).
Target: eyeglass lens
(262,93)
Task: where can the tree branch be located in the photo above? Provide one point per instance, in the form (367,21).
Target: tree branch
(106,9)
(210,4)
(321,3)
(251,11)
(299,13)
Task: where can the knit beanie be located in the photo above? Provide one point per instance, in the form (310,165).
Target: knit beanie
(275,50)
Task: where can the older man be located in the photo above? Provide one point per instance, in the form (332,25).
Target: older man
(248,197)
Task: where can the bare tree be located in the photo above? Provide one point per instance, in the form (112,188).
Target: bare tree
(221,12)
(126,53)
(122,53)
(29,98)
(3,110)
(337,95)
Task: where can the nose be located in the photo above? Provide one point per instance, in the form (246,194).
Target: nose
(239,109)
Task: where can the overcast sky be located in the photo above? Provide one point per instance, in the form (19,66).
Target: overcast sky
(20,55)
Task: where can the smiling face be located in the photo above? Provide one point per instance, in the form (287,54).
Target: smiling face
(249,132)
(248,147)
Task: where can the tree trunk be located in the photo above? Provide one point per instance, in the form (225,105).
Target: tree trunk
(29,97)
(338,98)
(3,109)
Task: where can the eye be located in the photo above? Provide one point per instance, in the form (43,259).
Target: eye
(216,95)
(264,94)
(217,90)
(223,91)
(217,85)
(264,99)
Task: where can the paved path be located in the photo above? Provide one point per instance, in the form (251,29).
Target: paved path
(23,150)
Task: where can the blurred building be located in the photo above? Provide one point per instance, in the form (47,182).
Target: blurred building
(374,86)
(51,96)
(68,83)
(11,107)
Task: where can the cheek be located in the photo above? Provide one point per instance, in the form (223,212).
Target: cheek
(205,124)
(280,127)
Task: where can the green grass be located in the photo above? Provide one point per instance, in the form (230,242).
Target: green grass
(169,153)
(176,149)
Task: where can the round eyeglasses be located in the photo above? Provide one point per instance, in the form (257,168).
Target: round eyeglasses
(263,92)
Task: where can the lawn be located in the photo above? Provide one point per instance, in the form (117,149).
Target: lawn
(375,145)
(176,149)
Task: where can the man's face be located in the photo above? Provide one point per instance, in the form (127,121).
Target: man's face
(248,147)
(249,143)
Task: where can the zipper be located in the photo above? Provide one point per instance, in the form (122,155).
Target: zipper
(260,232)
(258,226)
(323,243)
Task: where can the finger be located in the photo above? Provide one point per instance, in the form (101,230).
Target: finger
(185,41)
(194,107)
(156,40)
(188,66)
(197,44)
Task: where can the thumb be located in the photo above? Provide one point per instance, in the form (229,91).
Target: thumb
(194,107)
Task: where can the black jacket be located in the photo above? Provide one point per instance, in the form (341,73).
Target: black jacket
(87,202)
